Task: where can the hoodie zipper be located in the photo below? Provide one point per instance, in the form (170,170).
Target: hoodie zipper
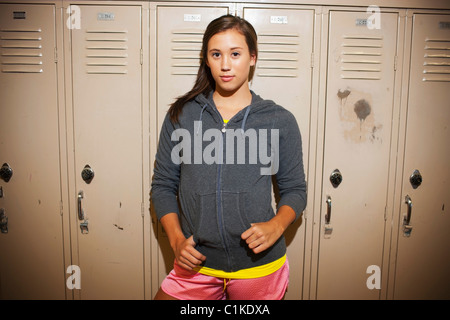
(219,201)
(219,190)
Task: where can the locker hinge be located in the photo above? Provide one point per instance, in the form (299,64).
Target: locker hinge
(61,208)
(312,59)
(142,209)
(142,57)
(395,63)
(56,55)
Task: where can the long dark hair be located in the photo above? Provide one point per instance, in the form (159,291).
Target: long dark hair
(205,82)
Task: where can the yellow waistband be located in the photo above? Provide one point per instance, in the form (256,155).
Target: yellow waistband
(249,273)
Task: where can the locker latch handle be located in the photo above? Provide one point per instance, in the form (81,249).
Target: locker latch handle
(407,228)
(83,225)
(3,221)
(328,228)
(80,207)
(328,215)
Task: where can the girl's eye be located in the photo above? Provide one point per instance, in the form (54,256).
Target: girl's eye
(215,54)
(235,54)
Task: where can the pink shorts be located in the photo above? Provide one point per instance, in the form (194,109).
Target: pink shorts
(189,285)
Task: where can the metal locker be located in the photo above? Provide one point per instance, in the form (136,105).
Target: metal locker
(355,177)
(180,34)
(423,253)
(179,39)
(108,151)
(31,223)
(284,74)
(283,71)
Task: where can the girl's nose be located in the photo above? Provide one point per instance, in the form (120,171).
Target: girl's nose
(225,66)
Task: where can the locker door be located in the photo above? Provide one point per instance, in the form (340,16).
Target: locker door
(180,34)
(284,74)
(423,257)
(359,102)
(108,151)
(31,248)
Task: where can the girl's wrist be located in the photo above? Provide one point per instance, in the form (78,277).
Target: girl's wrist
(284,217)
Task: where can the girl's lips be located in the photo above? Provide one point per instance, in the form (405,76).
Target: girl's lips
(226,78)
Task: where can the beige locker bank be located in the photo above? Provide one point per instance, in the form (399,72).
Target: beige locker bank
(31,244)
(108,149)
(84,88)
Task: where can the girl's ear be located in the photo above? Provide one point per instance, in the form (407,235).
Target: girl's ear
(252,60)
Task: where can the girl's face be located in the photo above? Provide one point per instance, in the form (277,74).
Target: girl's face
(229,60)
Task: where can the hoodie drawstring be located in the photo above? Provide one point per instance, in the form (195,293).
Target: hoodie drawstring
(245,119)
(201,115)
(247,111)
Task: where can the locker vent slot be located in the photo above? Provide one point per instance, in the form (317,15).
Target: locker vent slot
(361,57)
(278,55)
(437,60)
(185,51)
(21,51)
(106,52)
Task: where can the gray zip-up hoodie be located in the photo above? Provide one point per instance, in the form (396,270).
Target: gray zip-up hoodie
(208,173)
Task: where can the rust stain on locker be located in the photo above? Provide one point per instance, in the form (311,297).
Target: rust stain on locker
(356,113)
(362,109)
(118,227)
(343,94)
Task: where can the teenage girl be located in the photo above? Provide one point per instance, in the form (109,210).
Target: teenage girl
(227,240)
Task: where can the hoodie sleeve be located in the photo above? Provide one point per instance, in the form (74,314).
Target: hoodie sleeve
(166,174)
(290,176)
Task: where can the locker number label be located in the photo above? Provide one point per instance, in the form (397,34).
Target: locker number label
(192,17)
(105,16)
(373,21)
(444,24)
(279,19)
(19,15)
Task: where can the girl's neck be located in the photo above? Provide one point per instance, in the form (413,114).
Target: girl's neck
(230,104)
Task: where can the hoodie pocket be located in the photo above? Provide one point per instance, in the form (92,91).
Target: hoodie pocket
(234,213)
(205,221)
(213,224)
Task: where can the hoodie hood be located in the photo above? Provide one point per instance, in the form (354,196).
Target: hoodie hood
(206,103)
